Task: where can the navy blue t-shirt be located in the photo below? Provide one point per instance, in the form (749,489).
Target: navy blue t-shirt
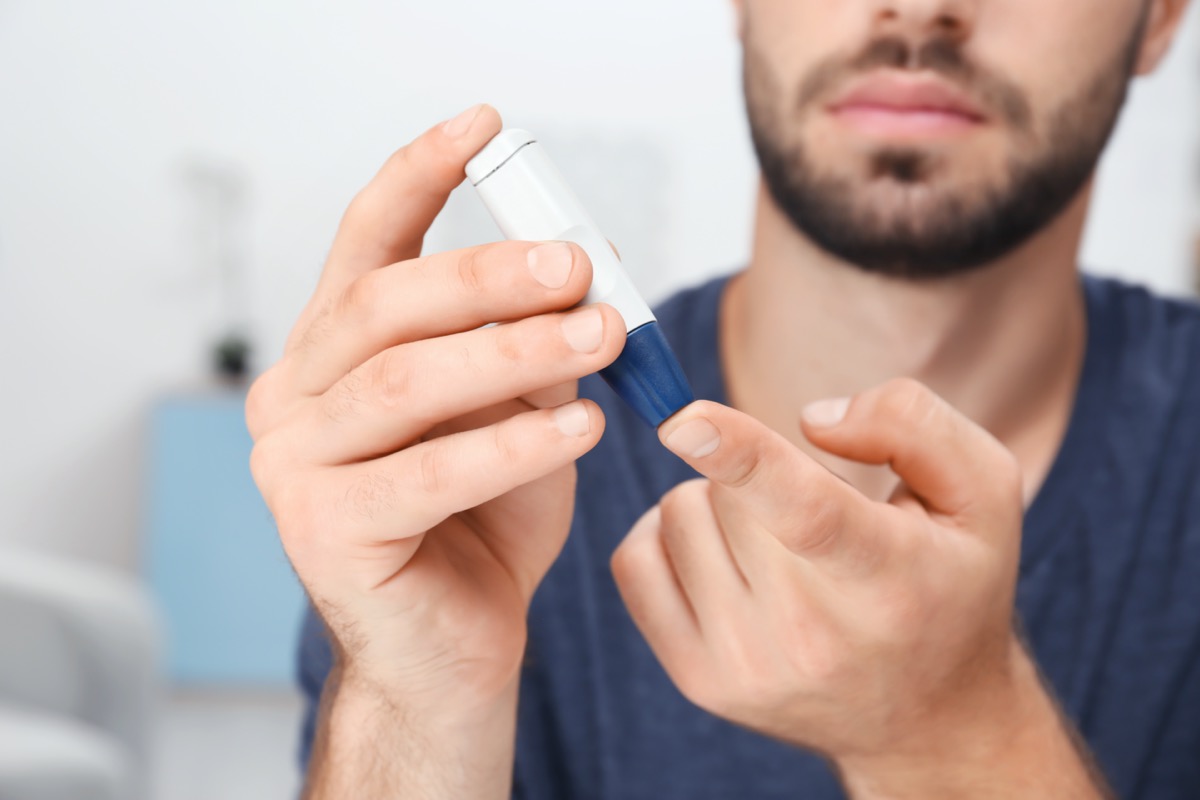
(1109,590)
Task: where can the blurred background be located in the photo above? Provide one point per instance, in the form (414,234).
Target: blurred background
(171,174)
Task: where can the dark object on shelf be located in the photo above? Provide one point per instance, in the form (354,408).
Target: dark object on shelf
(231,358)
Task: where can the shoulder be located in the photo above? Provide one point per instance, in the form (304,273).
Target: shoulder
(1147,332)
(1146,384)
(1150,346)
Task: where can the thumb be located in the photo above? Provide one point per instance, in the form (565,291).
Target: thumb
(951,464)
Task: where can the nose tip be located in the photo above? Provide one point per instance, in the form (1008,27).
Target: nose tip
(919,19)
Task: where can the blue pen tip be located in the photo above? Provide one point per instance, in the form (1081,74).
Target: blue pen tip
(648,377)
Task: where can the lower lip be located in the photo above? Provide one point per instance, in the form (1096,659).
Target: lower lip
(905,123)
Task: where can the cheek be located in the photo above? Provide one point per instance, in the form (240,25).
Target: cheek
(1053,50)
(784,28)
(785,41)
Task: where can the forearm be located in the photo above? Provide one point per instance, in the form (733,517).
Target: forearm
(368,745)
(1020,746)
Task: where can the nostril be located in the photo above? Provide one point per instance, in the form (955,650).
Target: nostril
(948,23)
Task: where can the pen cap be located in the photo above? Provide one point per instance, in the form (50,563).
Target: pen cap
(530,200)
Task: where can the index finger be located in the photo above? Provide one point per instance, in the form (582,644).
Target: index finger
(387,220)
(952,464)
(809,509)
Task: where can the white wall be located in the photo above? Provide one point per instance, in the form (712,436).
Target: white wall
(105,305)
(1146,215)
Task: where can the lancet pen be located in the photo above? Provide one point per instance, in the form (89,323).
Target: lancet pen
(530,200)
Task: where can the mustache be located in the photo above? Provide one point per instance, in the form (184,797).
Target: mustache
(943,56)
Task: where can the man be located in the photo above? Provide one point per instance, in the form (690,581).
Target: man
(966,569)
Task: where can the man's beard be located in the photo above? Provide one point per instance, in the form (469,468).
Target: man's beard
(949,231)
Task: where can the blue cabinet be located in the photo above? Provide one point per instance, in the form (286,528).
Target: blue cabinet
(212,556)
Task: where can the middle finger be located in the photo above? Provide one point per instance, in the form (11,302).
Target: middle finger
(432,296)
(403,392)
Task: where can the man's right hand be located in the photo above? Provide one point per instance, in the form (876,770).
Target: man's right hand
(420,468)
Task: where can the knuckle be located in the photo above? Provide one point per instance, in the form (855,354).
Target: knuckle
(344,398)
(315,328)
(401,159)
(283,486)
(630,559)
(362,210)
(623,563)
(434,470)
(356,304)
(683,497)
(392,379)
(814,528)
(744,468)
(295,511)
(636,556)
(262,465)
(470,273)
(694,490)
(908,399)
(671,501)
(257,404)
(505,442)
(515,342)
(367,495)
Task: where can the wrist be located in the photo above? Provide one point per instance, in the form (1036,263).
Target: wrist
(438,681)
(372,742)
(442,707)
(984,730)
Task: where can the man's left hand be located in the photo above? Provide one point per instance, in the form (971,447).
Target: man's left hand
(779,597)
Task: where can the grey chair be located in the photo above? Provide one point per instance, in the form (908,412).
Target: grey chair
(80,653)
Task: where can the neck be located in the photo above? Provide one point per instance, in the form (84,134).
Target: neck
(1003,344)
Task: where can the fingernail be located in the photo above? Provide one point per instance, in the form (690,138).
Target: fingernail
(551,264)
(826,413)
(584,330)
(458,127)
(572,419)
(695,439)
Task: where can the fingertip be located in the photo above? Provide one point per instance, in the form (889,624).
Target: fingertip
(696,408)
(573,419)
(579,280)
(596,417)
(648,522)
(491,117)
(632,556)
(825,415)
(691,437)
(580,419)
(614,331)
(581,271)
(487,124)
(477,124)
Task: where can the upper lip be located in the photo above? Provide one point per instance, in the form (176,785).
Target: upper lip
(906,92)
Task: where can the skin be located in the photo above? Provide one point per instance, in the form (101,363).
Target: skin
(1003,344)
(421,471)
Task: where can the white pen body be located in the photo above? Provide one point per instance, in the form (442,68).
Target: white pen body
(530,200)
